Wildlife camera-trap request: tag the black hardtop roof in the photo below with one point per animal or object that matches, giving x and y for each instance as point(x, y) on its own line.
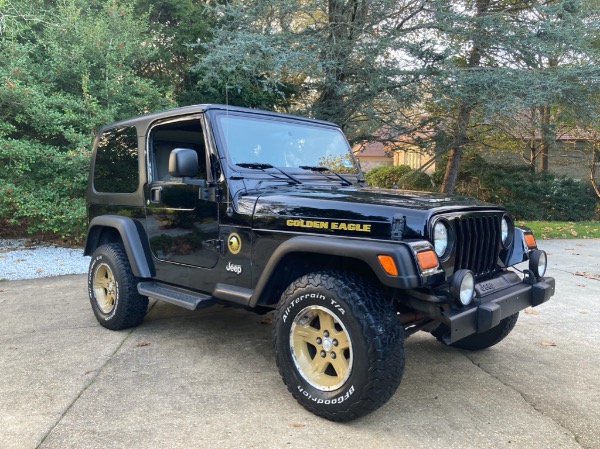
point(196, 108)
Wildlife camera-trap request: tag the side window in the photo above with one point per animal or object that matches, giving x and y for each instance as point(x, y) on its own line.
point(116, 166)
point(165, 138)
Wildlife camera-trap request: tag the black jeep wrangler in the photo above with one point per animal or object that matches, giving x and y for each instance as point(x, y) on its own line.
point(212, 204)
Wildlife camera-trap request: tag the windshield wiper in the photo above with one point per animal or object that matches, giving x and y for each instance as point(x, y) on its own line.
point(322, 169)
point(262, 166)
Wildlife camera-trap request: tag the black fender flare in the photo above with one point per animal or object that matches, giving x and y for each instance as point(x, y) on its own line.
point(130, 230)
point(366, 251)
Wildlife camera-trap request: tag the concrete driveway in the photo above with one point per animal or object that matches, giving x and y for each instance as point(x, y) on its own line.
point(208, 379)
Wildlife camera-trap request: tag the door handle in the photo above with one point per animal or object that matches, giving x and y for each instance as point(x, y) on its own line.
point(155, 194)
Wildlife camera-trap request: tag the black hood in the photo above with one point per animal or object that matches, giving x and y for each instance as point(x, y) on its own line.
point(370, 210)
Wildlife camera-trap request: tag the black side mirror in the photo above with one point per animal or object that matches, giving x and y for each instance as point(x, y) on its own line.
point(183, 163)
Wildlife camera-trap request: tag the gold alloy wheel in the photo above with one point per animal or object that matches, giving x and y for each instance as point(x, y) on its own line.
point(321, 348)
point(105, 288)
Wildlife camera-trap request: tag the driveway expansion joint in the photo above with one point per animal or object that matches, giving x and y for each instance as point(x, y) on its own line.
point(85, 388)
point(528, 401)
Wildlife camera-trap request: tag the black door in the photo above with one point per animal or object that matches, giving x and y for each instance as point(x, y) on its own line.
point(182, 227)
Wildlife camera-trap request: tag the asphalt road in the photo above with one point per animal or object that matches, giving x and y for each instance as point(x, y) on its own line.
point(208, 379)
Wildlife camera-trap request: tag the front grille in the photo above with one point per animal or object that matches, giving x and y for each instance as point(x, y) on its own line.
point(477, 243)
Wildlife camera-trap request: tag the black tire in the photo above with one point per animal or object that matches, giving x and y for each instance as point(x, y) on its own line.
point(112, 289)
point(369, 363)
point(484, 340)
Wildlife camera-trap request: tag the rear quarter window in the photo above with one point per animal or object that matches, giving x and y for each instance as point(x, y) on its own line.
point(116, 166)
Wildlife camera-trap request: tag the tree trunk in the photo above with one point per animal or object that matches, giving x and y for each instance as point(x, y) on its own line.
point(331, 104)
point(548, 136)
point(464, 114)
point(532, 156)
point(456, 151)
point(594, 162)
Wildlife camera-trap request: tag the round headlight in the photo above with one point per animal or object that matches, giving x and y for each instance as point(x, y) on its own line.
point(440, 238)
point(507, 231)
point(504, 230)
point(538, 262)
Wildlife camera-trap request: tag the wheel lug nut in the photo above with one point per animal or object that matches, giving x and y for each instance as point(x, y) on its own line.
point(333, 356)
point(335, 342)
point(326, 334)
point(319, 341)
point(323, 353)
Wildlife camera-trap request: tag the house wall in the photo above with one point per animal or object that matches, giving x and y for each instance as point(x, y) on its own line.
point(570, 159)
point(368, 163)
point(414, 159)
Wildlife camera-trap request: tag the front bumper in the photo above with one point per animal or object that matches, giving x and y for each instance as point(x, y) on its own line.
point(495, 301)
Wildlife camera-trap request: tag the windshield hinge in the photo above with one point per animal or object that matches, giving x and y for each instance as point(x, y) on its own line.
point(398, 223)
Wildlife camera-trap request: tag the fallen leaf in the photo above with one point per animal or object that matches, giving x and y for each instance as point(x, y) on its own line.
point(569, 249)
point(547, 343)
point(298, 425)
point(580, 244)
point(531, 312)
point(143, 343)
point(581, 285)
point(573, 232)
point(267, 321)
point(588, 275)
point(39, 270)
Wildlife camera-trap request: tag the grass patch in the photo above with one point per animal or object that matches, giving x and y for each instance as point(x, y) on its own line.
point(563, 229)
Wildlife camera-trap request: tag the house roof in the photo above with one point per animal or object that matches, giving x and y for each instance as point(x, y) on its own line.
point(370, 149)
point(386, 140)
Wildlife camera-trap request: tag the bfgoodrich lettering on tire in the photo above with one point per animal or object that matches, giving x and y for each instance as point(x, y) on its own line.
point(112, 289)
point(338, 344)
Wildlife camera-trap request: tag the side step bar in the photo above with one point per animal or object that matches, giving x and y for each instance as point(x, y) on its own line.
point(177, 296)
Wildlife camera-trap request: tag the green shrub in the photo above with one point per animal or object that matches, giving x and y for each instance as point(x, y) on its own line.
point(539, 196)
point(65, 69)
point(42, 189)
point(401, 176)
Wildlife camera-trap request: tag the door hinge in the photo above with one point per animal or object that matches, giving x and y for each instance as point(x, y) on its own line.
point(217, 244)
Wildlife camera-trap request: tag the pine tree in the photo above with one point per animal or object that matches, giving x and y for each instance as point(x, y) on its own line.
point(512, 59)
point(357, 63)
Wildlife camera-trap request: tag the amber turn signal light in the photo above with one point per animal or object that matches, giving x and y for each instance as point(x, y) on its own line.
point(388, 264)
point(530, 240)
point(427, 259)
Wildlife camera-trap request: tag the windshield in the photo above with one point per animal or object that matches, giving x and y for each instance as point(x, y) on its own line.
point(283, 143)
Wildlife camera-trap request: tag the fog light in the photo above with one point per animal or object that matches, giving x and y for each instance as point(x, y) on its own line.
point(462, 286)
point(538, 262)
